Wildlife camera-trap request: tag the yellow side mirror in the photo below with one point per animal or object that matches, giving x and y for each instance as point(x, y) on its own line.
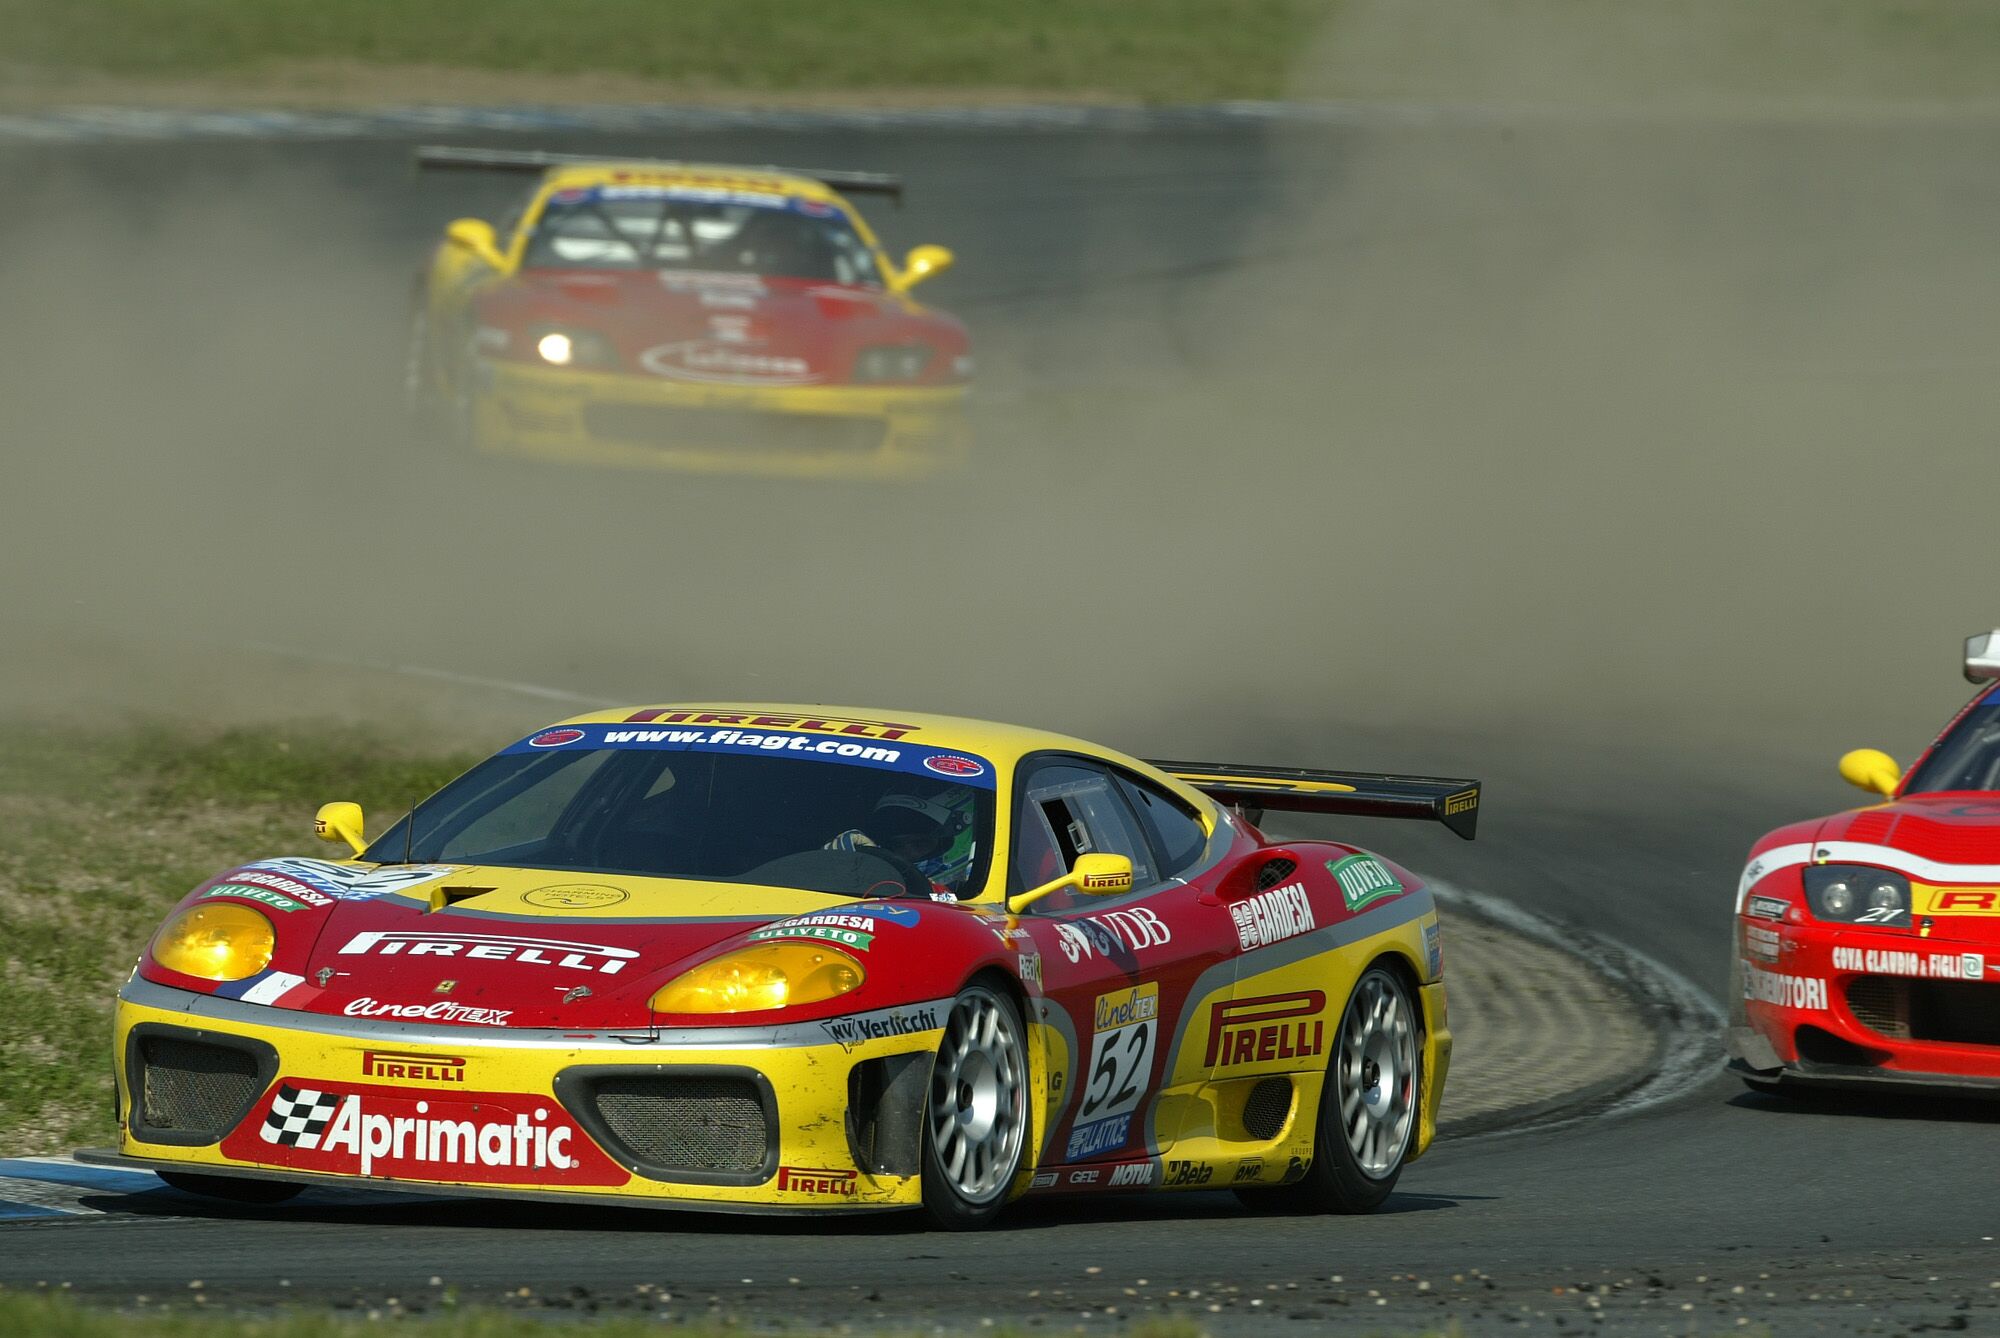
point(1872, 770)
point(1101, 875)
point(924, 261)
point(340, 822)
point(476, 235)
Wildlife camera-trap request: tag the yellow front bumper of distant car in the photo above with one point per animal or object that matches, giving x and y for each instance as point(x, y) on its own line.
point(787, 1117)
point(617, 418)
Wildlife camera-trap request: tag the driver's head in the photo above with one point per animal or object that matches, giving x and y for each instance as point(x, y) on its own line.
point(915, 828)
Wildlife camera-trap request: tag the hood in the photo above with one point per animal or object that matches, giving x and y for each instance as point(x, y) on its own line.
point(1958, 828)
point(731, 329)
point(474, 945)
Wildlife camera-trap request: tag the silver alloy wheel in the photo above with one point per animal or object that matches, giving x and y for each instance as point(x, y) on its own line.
point(978, 1086)
point(1377, 1074)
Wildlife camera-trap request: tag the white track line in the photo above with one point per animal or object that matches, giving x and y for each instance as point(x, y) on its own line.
point(439, 675)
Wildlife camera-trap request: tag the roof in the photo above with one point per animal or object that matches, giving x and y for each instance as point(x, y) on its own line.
point(622, 172)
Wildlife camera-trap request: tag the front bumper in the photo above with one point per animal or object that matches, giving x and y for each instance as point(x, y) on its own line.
point(726, 1118)
point(622, 419)
point(1845, 1005)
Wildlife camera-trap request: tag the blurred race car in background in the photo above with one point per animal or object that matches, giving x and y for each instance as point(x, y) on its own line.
point(1869, 942)
point(756, 958)
point(710, 317)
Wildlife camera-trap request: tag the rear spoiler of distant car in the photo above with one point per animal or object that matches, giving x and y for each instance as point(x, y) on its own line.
point(1455, 803)
point(444, 159)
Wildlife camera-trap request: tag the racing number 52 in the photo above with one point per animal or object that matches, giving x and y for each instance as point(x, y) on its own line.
point(1114, 1083)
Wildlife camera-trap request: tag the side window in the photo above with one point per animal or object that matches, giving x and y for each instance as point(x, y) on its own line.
point(1066, 811)
point(1177, 833)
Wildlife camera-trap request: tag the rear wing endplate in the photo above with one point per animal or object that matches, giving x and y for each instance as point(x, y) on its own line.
point(1455, 803)
point(439, 158)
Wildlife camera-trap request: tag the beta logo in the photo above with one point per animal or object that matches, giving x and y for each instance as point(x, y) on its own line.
point(555, 738)
point(950, 764)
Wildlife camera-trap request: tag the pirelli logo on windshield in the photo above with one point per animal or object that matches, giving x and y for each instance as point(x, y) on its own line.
point(810, 724)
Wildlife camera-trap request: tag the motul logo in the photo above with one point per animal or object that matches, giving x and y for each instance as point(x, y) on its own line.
point(493, 948)
point(1250, 1031)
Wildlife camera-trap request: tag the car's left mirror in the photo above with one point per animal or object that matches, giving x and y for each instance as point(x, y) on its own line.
point(340, 822)
point(1871, 769)
point(1095, 875)
point(476, 235)
point(924, 261)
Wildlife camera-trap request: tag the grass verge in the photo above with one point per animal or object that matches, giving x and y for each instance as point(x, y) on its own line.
point(100, 834)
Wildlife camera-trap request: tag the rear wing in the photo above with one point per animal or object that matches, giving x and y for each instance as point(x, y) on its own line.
point(1455, 803)
point(439, 158)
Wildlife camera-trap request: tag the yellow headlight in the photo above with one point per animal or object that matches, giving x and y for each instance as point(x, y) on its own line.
point(770, 975)
point(216, 941)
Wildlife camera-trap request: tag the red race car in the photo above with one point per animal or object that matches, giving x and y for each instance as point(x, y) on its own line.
point(1868, 943)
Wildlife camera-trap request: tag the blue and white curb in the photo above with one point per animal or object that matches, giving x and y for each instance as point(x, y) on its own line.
point(44, 1187)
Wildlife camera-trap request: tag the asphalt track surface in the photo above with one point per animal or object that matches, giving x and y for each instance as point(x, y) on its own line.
point(1688, 1216)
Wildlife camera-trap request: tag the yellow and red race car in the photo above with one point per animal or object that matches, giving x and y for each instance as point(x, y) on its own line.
point(705, 317)
point(756, 957)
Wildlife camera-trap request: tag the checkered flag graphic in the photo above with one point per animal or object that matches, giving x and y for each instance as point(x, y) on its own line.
point(298, 1117)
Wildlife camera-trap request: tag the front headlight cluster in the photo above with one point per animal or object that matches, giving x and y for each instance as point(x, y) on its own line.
point(891, 362)
point(1857, 894)
point(215, 941)
point(757, 979)
point(562, 347)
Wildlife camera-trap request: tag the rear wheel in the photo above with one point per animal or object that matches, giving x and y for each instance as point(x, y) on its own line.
point(236, 1189)
point(1368, 1111)
point(976, 1112)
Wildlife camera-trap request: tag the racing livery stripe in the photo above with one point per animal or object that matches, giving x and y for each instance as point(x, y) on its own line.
point(1856, 852)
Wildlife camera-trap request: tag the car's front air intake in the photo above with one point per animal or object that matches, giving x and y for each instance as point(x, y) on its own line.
point(701, 1125)
point(187, 1088)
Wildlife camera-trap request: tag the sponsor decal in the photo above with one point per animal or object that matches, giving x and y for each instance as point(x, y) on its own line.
point(400, 1067)
point(809, 1180)
point(1031, 968)
point(1184, 1174)
point(1112, 933)
point(1088, 1176)
point(1106, 882)
point(1363, 880)
point(828, 724)
point(1296, 1170)
point(1761, 942)
point(1132, 1173)
point(266, 988)
point(955, 764)
point(1273, 916)
point(283, 886)
point(370, 1131)
point(555, 738)
point(716, 360)
point(343, 882)
point(1250, 1168)
point(575, 896)
point(1434, 949)
point(555, 952)
point(1126, 1029)
point(1956, 900)
point(849, 931)
point(859, 1027)
point(1043, 1180)
point(1462, 802)
point(903, 917)
point(277, 901)
point(1767, 908)
point(1785, 991)
point(1902, 962)
point(1268, 1027)
point(876, 744)
point(440, 1011)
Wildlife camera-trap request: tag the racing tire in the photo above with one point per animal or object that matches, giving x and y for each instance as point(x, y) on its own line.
point(975, 1131)
point(235, 1189)
point(1368, 1109)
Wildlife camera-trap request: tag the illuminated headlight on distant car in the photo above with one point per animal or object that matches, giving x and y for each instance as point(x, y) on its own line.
point(891, 362)
point(571, 348)
point(1857, 894)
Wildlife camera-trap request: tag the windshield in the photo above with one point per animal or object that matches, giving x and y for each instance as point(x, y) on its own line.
point(845, 816)
point(1968, 756)
point(709, 229)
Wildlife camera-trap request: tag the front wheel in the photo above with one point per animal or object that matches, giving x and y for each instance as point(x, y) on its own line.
point(1368, 1110)
point(976, 1111)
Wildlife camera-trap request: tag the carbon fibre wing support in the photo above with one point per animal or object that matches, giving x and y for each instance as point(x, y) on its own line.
point(440, 158)
point(1455, 803)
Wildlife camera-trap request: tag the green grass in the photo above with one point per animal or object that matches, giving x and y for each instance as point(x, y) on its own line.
point(1170, 50)
point(100, 834)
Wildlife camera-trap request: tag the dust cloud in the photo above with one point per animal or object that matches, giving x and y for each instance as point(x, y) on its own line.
point(1469, 436)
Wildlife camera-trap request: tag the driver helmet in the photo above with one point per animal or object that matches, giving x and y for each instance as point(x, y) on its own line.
point(935, 834)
